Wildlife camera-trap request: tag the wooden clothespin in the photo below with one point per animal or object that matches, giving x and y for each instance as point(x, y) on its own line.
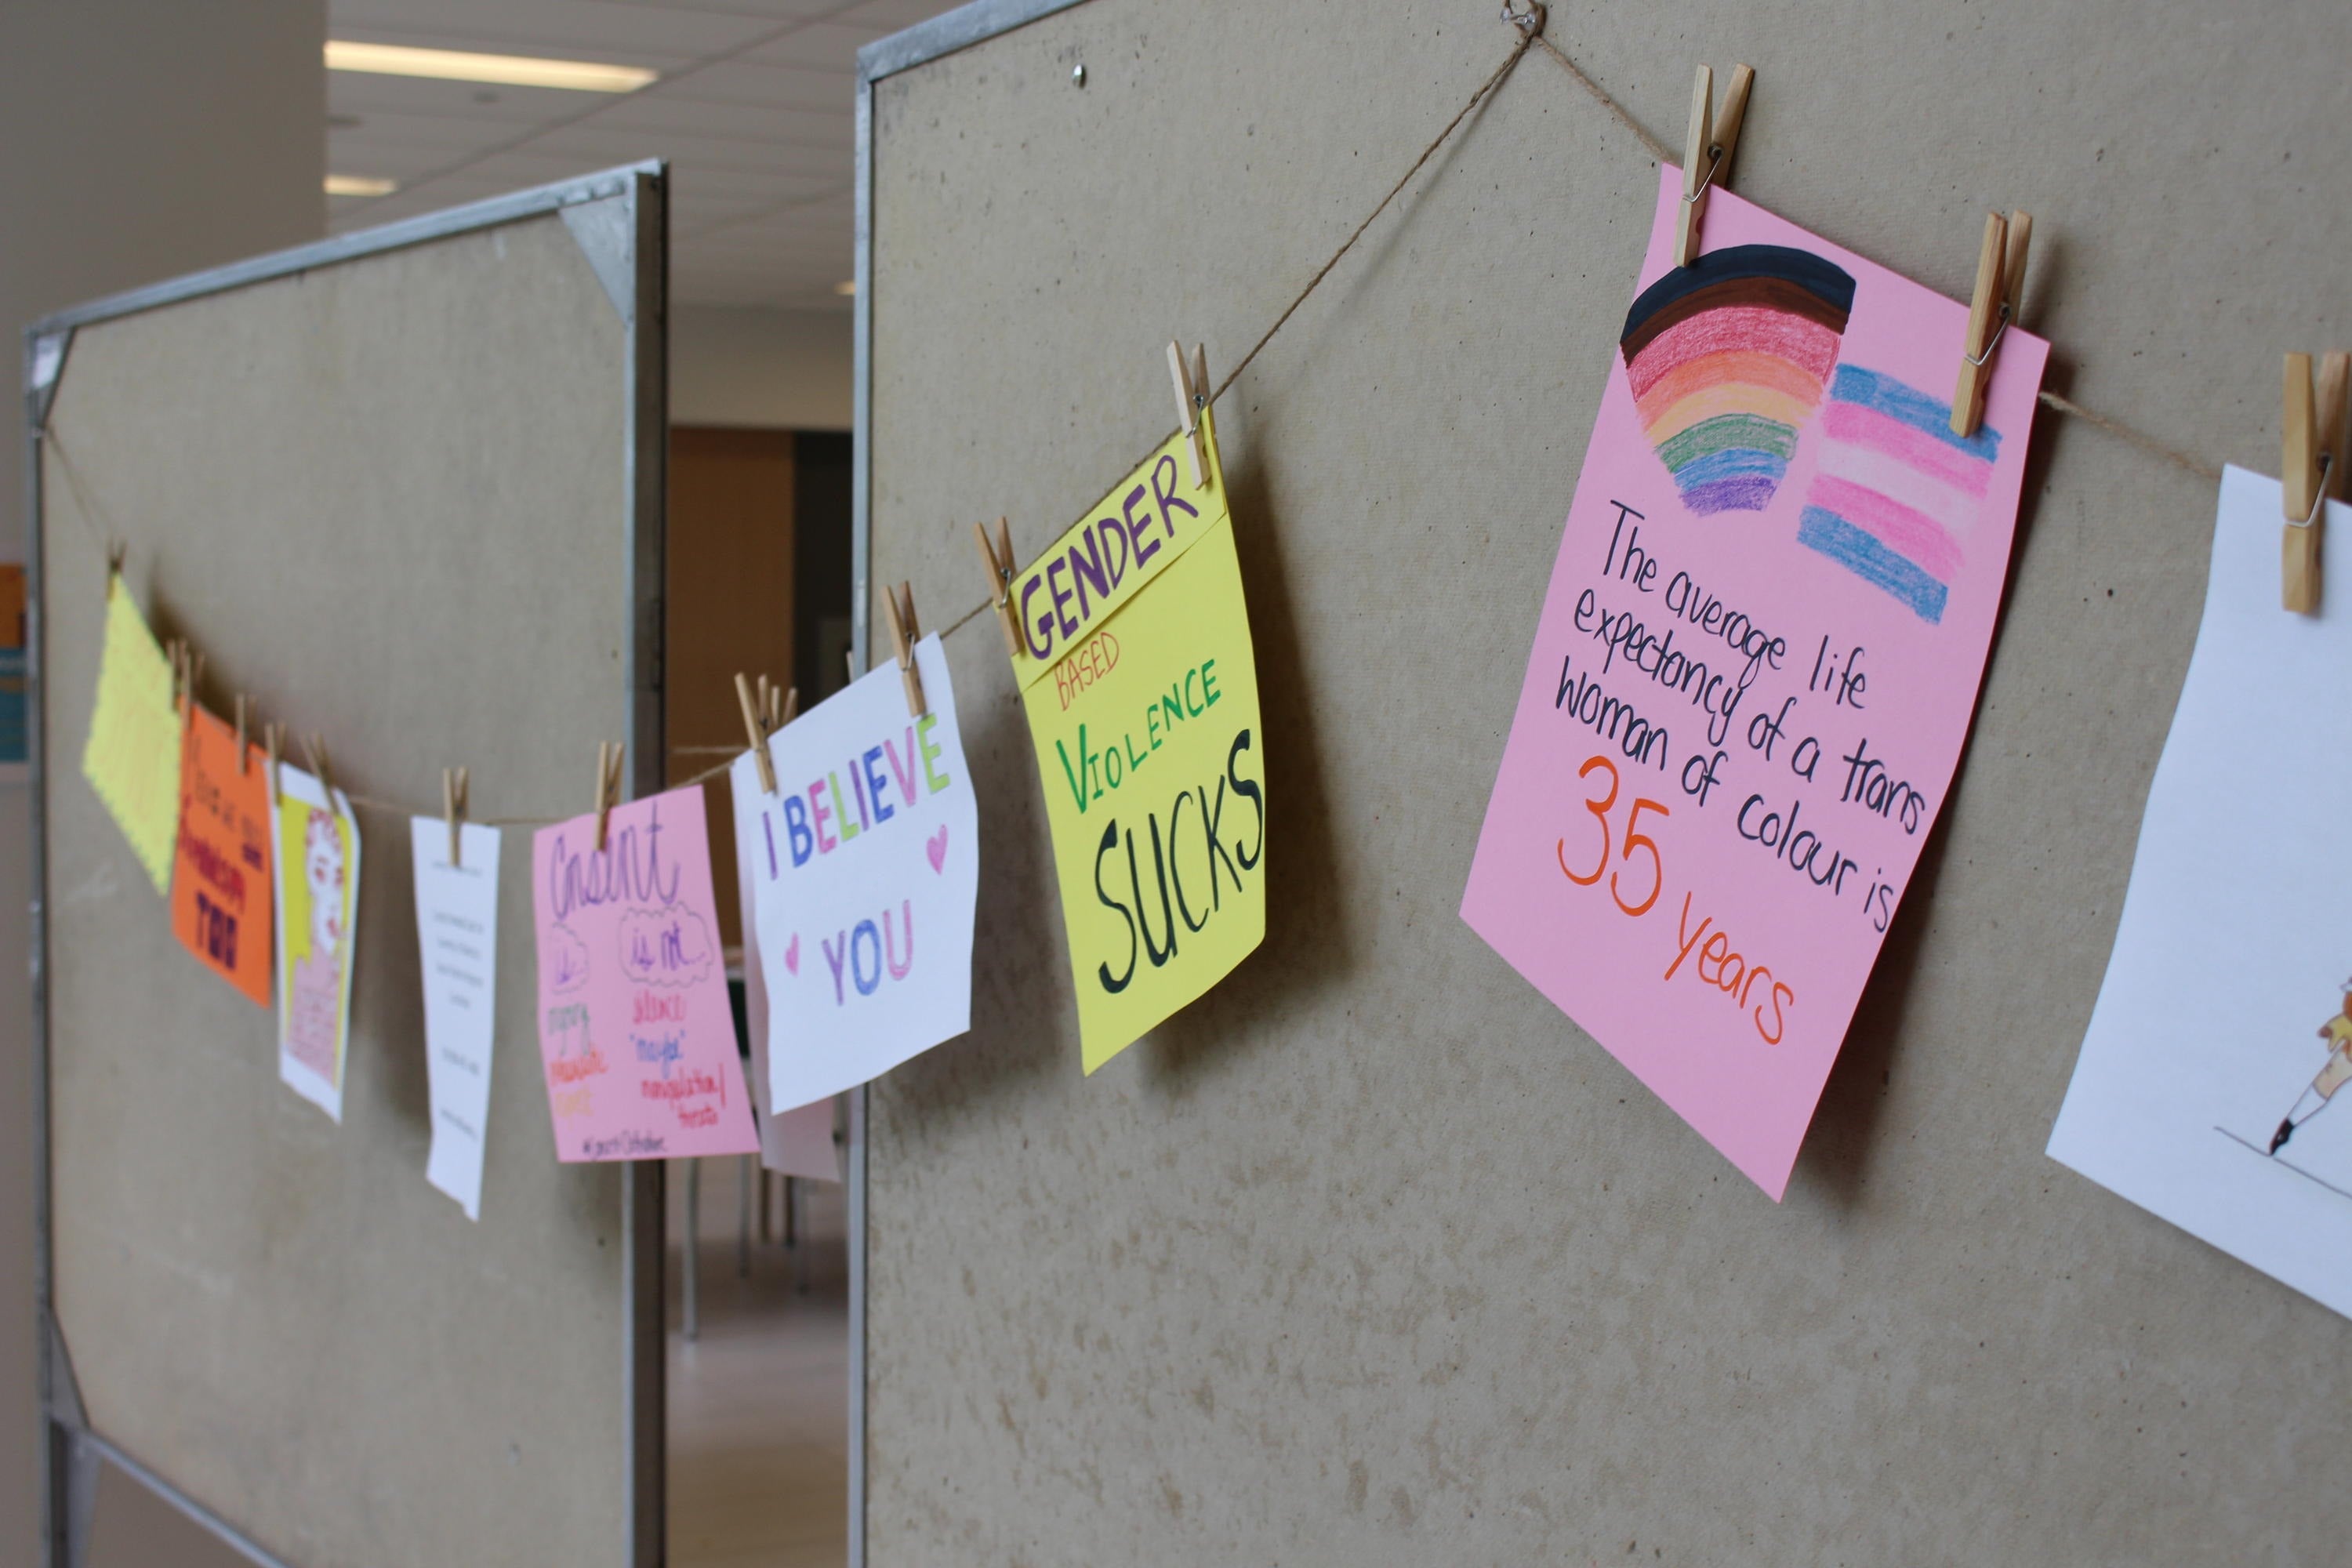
point(114, 556)
point(244, 762)
point(454, 782)
point(317, 746)
point(2000, 280)
point(756, 730)
point(996, 560)
point(2314, 446)
point(784, 706)
point(1708, 150)
point(1191, 397)
point(904, 635)
point(273, 739)
point(188, 667)
point(608, 785)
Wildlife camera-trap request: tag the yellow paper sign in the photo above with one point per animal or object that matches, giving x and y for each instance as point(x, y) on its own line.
point(1141, 689)
point(133, 756)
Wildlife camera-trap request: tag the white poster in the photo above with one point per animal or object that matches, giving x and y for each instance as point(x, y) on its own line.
point(2223, 1036)
point(865, 868)
point(798, 1141)
point(457, 929)
point(315, 859)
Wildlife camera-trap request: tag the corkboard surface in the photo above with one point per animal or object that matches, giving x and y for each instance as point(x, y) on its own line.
point(1371, 1256)
point(389, 498)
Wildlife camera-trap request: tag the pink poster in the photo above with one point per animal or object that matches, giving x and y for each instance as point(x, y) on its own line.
point(1756, 666)
point(635, 1027)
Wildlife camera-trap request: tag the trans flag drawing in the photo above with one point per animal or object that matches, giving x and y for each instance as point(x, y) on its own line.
point(1727, 359)
point(1897, 492)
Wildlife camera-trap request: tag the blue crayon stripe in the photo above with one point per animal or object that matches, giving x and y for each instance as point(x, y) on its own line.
point(1872, 561)
point(1884, 395)
point(1732, 462)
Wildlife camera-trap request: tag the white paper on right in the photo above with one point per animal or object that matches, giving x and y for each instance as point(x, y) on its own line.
point(2214, 1087)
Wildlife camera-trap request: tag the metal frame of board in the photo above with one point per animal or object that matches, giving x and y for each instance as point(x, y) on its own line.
point(942, 34)
point(71, 1452)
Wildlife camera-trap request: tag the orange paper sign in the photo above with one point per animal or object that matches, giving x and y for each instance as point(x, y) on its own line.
point(220, 872)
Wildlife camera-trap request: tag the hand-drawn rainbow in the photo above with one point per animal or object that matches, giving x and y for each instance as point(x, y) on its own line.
point(1897, 492)
point(1727, 358)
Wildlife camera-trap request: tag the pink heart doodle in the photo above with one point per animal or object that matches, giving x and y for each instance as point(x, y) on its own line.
point(793, 954)
point(936, 846)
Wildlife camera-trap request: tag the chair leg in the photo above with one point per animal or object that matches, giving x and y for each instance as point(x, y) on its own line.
point(744, 1171)
point(693, 1248)
point(797, 1199)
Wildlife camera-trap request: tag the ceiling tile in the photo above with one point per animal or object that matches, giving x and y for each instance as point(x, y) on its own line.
point(353, 92)
point(755, 113)
point(583, 29)
point(826, 46)
point(779, 87)
point(800, 127)
point(523, 167)
point(409, 164)
point(345, 213)
point(454, 132)
point(892, 16)
point(775, 10)
point(686, 152)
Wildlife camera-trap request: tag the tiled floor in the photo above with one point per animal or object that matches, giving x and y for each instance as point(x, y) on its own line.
point(758, 1404)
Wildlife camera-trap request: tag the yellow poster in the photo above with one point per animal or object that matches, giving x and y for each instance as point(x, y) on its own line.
point(133, 756)
point(1141, 688)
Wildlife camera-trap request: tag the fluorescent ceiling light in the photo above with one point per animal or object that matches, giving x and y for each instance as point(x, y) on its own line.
point(506, 70)
point(848, 287)
point(360, 185)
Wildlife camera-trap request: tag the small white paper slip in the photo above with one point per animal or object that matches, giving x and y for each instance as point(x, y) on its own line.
point(457, 935)
point(315, 861)
point(2205, 1091)
point(865, 869)
point(797, 1142)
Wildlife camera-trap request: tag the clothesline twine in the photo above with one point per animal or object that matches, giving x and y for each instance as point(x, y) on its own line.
point(1528, 38)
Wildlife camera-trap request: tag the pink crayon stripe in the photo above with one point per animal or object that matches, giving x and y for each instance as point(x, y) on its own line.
point(1867, 428)
point(1745, 327)
point(1953, 511)
point(1908, 533)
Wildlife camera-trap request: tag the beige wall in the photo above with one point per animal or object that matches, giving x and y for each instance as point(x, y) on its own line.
point(778, 370)
point(139, 140)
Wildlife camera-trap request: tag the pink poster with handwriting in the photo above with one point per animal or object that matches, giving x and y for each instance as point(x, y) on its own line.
point(1755, 668)
point(634, 1029)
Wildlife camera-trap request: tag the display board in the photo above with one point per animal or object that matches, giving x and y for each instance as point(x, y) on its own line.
point(1368, 1256)
point(405, 489)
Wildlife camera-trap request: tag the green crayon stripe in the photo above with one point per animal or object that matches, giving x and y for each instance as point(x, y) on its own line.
point(1749, 431)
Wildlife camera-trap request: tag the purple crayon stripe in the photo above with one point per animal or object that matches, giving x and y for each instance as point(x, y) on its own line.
point(1744, 492)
